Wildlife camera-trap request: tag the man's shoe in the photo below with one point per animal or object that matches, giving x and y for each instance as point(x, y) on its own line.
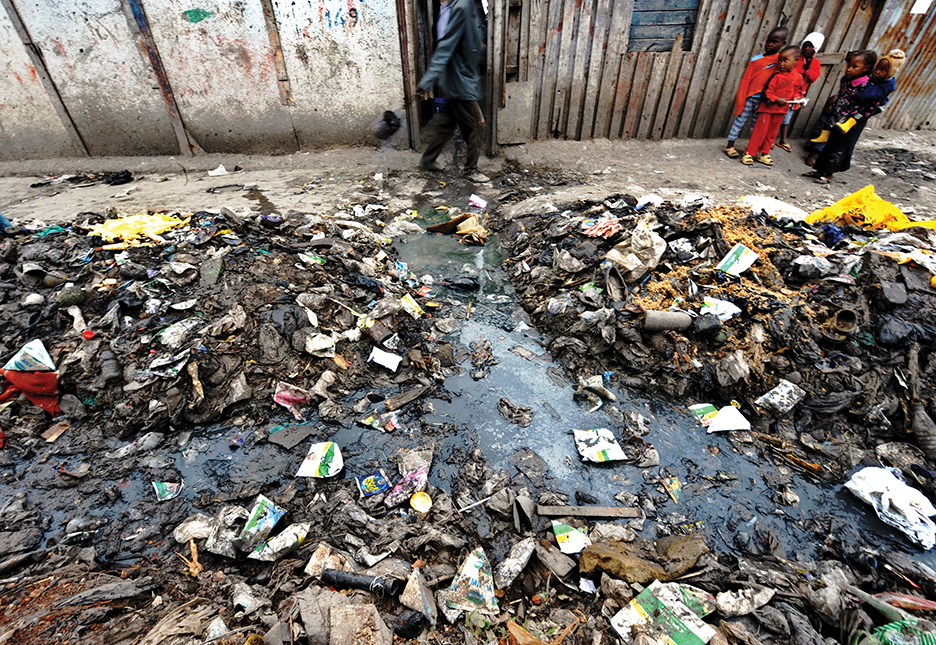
point(477, 177)
point(435, 166)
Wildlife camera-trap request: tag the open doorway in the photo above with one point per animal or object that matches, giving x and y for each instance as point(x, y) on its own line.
point(418, 26)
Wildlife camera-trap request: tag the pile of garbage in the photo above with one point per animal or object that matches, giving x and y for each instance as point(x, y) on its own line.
point(808, 343)
point(815, 337)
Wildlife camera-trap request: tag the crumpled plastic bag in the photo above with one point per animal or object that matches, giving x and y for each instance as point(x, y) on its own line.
point(134, 227)
point(896, 503)
point(641, 253)
point(865, 209)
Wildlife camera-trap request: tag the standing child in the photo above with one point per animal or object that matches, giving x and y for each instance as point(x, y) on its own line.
point(850, 105)
point(755, 77)
point(781, 87)
point(877, 92)
point(809, 68)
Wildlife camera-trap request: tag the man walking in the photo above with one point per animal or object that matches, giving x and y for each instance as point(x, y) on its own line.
point(455, 72)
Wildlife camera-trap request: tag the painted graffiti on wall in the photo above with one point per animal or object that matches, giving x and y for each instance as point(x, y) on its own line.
point(340, 14)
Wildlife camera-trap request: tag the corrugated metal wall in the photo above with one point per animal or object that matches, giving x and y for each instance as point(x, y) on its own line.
point(576, 78)
point(913, 105)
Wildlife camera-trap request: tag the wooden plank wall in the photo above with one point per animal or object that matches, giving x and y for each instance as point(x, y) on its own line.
point(586, 84)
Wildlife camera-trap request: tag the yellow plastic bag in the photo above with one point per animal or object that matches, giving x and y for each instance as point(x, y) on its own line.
point(133, 227)
point(865, 209)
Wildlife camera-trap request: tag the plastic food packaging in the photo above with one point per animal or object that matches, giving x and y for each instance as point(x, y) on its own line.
point(324, 460)
point(570, 540)
point(671, 610)
point(598, 445)
point(373, 484)
point(167, 490)
point(728, 419)
point(281, 545)
point(471, 590)
point(739, 259)
point(32, 357)
point(260, 523)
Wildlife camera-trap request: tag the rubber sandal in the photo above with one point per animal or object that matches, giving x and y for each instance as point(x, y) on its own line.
point(764, 159)
point(732, 153)
point(747, 160)
point(822, 181)
point(785, 146)
point(811, 175)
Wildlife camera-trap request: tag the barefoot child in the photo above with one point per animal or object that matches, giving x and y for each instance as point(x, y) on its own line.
point(809, 67)
point(781, 87)
point(850, 105)
point(756, 75)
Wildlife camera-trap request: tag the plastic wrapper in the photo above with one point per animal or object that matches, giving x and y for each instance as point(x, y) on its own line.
point(518, 558)
point(411, 307)
point(224, 531)
point(194, 527)
point(32, 357)
point(281, 545)
point(670, 613)
point(722, 308)
point(728, 419)
point(413, 481)
point(324, 460)
point(418, 597)
point(174, 335)
point(739, 259)
point(570, 540)
point(598, 445)
point(325, 557)
point(472, 590)
point(372, 484)
point(167, 490)
point(293, 398)
point(703, 413)
point(263, 517)
point(388, 360)
point(782, 398)
point(896, 503)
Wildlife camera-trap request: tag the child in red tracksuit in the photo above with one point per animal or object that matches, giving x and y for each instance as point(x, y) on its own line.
point(781, 87)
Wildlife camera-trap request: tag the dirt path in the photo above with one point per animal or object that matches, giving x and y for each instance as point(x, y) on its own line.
point(315, 182)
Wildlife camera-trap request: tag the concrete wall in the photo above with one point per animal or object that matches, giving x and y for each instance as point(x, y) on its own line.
point(29, 125)
point(310, 73)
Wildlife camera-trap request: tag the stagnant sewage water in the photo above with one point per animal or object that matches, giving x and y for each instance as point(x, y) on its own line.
point(725, 493)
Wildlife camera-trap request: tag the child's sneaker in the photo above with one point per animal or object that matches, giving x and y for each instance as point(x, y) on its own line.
point(764, 159)
point(747, 160)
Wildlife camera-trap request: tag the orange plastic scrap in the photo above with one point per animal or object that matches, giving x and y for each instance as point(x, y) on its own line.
point(864, 208)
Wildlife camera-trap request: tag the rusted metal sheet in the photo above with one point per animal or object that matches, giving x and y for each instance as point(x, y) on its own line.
point(913, 105)
point(222, 69)
point(344, 65)
point(30, 125)
point(102, 76)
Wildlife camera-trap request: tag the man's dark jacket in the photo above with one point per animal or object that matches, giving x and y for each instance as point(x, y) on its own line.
point(456, 63)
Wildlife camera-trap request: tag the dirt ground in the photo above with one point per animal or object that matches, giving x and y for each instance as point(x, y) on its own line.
point(670, 168)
